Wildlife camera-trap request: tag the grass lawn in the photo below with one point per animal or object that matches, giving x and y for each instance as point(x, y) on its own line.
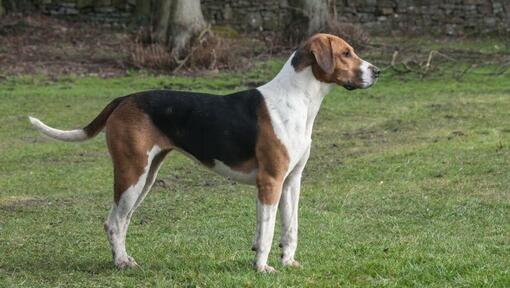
point(408, 185)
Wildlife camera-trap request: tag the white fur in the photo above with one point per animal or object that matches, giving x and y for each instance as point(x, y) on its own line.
point(70, 135)
point(266, 218)
point(224, 170)
point(367, 74)
point(288, 207)
point(293, 100)
point(118, 221)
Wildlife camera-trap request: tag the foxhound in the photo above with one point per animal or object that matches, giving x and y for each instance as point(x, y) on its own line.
point(260, 137)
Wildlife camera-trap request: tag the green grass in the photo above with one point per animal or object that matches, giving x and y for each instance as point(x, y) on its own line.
point(408, 185)
point(485, 44)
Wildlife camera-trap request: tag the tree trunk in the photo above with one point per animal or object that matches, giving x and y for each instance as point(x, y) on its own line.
point(177, 23)
point(162, 20)
point(309, 17)
point(320, 14)
point(187, 22)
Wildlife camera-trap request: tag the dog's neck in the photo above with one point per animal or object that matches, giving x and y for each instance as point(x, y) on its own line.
point(291, 90)
point(302, 83)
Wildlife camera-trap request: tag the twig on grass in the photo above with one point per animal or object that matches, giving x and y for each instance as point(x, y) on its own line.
point(431, 55)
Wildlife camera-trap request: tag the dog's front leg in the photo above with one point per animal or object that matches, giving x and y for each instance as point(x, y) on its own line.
point(269, 191)
point(289, 206)
point(289, 216)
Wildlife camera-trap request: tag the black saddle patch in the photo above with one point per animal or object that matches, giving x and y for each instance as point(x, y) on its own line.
point(204, 125)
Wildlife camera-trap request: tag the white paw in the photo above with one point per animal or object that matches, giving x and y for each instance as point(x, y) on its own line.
point(128, 262)
point(265, 269)
point(291, 263)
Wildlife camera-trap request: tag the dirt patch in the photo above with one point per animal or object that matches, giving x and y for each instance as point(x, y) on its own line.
point(456, 134)
point(43, 45)
point(19, 203)
point(364, 134)
point(439, 106)
point(22, 201)
point(39, 44)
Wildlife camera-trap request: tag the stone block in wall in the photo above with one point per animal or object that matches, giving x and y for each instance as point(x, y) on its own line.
point(104, 10)
point(454, 20)
point(351, 3)
point(404, 7)
point(377, 27)
point(227, 12)
point(447, 8)
point(348, 10)
point(474, 2)
point(365, 3)
point(84, 3)
point(120, 4)
point(497, 8)
point(386, 3)
point(452, 29)
point(367, 8)
point(484, 9)
point(490, 21)
point(102, 3)
point(254, 21)
point(62, 9)
point(270, 24)
point(385, 11)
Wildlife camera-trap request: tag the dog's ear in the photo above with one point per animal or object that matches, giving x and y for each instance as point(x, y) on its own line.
point(323, 52)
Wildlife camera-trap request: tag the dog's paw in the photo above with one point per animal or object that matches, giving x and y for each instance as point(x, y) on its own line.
point(128, 262)
point(291, 263)
point(265, 269)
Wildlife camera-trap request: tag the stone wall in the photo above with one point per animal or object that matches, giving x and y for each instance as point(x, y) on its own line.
point(450, 17)
point(248, 15)
point(109, 12)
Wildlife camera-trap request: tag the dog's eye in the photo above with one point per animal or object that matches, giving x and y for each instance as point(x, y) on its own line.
point(346, 54)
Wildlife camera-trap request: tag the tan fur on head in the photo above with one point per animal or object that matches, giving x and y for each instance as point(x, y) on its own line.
point(323, 53)
point(332, 60)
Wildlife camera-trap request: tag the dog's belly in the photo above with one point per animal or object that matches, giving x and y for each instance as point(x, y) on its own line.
point(246, 176)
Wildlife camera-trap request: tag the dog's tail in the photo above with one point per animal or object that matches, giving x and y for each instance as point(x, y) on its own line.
point(91, 130)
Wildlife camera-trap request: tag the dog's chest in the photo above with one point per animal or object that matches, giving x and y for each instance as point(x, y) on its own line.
point(292, 125)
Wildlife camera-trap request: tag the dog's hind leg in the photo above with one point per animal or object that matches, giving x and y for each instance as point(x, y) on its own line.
point(151, 177)
point(128, 199)
point(137, 150)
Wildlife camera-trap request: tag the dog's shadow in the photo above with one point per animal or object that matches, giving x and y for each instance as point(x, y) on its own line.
point(61, 265)
point(229, 266)
point(104, 266)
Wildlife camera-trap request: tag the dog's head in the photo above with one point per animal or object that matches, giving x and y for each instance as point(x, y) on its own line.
point(333, 60)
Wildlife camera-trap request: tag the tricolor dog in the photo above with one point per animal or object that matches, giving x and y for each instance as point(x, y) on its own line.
point(260, 137)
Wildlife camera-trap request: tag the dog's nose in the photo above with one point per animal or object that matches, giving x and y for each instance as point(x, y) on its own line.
point(376, 71)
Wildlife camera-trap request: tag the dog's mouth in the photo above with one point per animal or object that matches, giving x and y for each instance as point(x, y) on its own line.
point(349, 86)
